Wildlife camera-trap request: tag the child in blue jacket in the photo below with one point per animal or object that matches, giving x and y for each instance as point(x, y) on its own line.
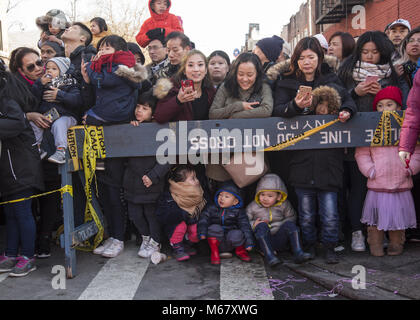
point(226, 224)
point(116, 79)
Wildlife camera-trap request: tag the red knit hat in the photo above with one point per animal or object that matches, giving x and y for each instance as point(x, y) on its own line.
point(392, 93)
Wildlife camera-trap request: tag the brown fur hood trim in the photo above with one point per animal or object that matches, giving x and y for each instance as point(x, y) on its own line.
point(328, 94)
point(162, 88)
point(284, 66)
point(136, 74)
point(59, 16)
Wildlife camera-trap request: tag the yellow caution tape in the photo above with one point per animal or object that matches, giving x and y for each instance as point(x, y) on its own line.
point(65, 189)
point(383, 132)
point(94, 147)
point(294, 140)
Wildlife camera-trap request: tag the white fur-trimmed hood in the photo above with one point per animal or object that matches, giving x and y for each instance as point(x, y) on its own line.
point(162, 88)
point(136, 74)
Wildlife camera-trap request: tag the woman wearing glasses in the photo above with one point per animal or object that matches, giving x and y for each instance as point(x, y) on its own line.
point(26, 65)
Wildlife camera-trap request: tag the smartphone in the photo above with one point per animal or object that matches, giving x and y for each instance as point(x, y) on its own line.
point(85, 57)
point(52, 114)
point(304, 90)
point(187, 84)
point(255, 98)
point(370, 79)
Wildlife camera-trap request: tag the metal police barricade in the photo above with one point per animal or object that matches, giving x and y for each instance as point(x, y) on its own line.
point(203, 142)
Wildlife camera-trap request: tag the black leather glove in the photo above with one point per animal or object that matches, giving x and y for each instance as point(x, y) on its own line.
point(157, 33)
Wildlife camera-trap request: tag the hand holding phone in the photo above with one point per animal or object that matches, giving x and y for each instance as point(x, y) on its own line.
point(187, 86)
point(187, 92)
point(372, 79)
point(304, 91)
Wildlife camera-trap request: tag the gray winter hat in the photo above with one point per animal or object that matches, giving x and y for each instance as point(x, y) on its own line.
point(62, 63)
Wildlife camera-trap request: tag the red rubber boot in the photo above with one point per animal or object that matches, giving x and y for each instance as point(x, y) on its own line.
point(242, 254)
point(214, 247)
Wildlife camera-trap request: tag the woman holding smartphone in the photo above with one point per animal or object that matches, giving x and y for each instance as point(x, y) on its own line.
point(188, 95)
point(315, 175)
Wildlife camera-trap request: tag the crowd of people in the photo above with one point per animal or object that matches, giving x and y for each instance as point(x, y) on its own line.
point(306, 201)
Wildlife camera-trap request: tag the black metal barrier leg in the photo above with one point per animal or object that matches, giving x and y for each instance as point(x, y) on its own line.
point(70, 252)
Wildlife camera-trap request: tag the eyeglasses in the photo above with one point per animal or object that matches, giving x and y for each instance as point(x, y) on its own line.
point(31, 67)
point(154, 48)
point(412, 40)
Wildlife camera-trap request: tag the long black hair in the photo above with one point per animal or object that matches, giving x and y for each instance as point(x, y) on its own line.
point(231, 83)
point(383, 45)
point(14, 89)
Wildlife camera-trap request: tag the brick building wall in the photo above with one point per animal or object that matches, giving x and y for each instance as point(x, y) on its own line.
point(378, 14)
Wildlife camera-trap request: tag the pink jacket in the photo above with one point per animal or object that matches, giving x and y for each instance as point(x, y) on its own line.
point(384, 169)
point(411, 126)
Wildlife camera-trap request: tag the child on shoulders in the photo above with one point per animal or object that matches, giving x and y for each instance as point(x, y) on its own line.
point(161, 21)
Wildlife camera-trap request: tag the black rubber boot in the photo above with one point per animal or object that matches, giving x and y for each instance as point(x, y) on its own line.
point(300, 256)
point(269, 255)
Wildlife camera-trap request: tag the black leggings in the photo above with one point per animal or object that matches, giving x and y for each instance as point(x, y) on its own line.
point(353, 194)
point(144, 218)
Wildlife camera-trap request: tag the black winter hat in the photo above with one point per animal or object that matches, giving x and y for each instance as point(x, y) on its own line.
point(271, 47)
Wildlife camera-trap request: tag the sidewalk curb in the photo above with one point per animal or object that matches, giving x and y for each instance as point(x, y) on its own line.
point(342, 285)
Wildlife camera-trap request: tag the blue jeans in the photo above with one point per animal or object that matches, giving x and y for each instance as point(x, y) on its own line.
point(328, 211)
point(20, 226)
point(280, 239)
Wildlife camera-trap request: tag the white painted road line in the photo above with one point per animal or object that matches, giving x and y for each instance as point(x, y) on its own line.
point(3, 276)
point(241, 280)
point(118, 279)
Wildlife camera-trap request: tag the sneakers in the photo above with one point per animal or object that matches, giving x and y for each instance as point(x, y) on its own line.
point(23, 267)
point(189, 249)
point(358, 242)
point(142, 252)
point(99, 250)
point(58, 157)
point(150, 247)
point(7, 263)
point(114, 249)
point(179, 252)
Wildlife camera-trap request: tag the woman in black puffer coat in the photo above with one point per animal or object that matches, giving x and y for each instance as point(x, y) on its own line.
point(315, 174)
point(20, 175)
